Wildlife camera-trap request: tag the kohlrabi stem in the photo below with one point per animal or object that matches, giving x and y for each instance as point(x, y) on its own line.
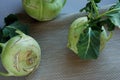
point(11, 27)
point(64, 2)
point(110, 35)
point(95, 7)
point(107, 12)
point(20, 32)
point(17, 31)
point(2, 45)
point(5, 74)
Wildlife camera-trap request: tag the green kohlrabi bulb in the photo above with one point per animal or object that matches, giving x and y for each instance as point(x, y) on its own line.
point(20, 55)
point(76, 28)
point(43, 10)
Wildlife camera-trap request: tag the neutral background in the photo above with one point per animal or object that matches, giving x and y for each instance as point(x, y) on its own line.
point(15, 6)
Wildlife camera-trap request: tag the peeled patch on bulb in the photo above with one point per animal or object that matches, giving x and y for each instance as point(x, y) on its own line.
point(20, 55)
point(43, 10)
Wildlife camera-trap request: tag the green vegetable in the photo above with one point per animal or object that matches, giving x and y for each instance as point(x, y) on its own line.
point(43, 10)
point(8, 30)
point(20, 55)
point(81, 42)
point(75, 30)
point(87, 36)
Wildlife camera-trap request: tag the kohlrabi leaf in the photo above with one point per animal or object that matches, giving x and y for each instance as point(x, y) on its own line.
point(87, 8)
point(10, 19)
point(9, 31)
point(97, 1)
point(11, 24)
point(89, 44)
point(114, 16)
point(110, 25)
point(21, 26)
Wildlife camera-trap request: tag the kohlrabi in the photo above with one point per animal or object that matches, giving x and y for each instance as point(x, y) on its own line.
point(87, 35)
point(20, 55)
point(77, 28)
point(43, 10)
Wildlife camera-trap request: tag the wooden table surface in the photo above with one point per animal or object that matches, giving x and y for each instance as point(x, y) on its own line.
point(59, 63)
